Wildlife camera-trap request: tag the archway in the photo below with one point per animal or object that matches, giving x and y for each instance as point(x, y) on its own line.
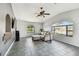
point(8, 23)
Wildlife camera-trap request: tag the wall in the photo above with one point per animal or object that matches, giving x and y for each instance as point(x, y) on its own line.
point(22, 27)
point(72, 16)
point(5, 8)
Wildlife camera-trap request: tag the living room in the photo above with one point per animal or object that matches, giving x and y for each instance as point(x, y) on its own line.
point(42, 27)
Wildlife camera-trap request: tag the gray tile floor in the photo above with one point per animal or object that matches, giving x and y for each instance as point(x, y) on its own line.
point(27, 47)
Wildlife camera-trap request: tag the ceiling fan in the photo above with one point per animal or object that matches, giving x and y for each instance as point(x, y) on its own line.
point(42, 13)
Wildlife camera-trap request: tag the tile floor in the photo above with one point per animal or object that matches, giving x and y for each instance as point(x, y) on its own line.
point(27, 47)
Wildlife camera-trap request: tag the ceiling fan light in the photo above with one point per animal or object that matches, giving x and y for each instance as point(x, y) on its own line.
point(41, 7)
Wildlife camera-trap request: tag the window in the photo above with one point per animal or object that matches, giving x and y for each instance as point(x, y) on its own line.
point(64, 28)
point(60, 30)
point(69, 30)
point(30, 28)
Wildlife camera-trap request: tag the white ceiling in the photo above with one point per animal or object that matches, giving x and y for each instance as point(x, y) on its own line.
point(26, 11)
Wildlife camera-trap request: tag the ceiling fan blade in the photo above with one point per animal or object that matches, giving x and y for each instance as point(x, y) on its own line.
point(38, 15)
point(46, 13)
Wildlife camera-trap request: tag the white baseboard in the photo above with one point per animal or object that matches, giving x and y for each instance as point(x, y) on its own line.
point(9, 48)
